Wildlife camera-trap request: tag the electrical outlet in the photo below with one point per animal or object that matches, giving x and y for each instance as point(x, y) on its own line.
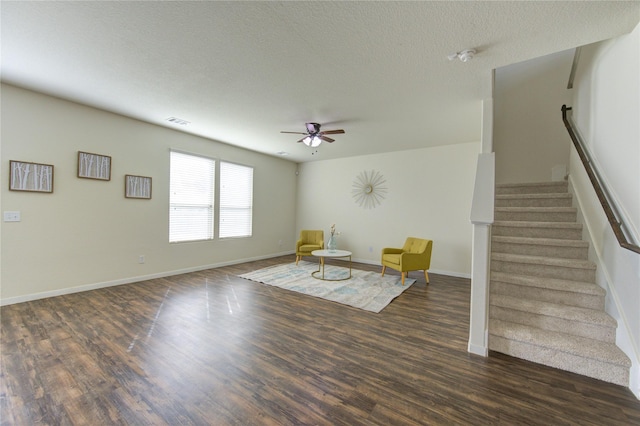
point(279, 243)
point(11, 216)
point(370, 249)
point(141, 259)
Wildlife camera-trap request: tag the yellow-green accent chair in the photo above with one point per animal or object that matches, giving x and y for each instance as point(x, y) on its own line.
point(309, 241)
point(414, 256)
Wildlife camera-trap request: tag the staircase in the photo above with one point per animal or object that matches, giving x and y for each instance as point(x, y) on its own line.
point(544, 304)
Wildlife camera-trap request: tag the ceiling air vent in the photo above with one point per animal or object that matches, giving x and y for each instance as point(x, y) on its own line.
point(179, 121)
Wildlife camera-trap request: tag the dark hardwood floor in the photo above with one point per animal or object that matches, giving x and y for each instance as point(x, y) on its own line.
point(211, 348)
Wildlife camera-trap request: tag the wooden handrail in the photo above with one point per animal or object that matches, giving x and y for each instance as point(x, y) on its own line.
point(574, 67)
point(616, 225)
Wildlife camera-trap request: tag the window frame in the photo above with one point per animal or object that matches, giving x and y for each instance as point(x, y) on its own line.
point(213, 206)
point(219, 199)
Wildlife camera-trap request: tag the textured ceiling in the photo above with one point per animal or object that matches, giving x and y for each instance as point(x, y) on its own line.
point(241, 72)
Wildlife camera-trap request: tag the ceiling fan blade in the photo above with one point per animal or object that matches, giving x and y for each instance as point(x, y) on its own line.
point(301, 140)
point(326, 139)
point(295, 133)
point(332, 132)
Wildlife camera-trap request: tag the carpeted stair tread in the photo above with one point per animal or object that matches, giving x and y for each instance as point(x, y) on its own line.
point(541, 241)
point(557, 195)
point(540, 214)
point(552, 199)
point(575, 345)
point(531, 224)
point(532, 188)
point(542, 245)
point(583, 315)
point(537, 229)
point(549, 283)
point(544, 261)
point(537, 209)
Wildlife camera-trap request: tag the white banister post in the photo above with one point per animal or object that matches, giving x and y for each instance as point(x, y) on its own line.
point(482, 218)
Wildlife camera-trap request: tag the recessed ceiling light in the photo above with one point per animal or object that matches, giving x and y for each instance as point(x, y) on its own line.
point(179, 121)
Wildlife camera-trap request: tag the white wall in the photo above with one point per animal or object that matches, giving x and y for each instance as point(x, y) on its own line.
point(606, 107)
point(529, 137)
point(86, 234)
point(606, 112)
point(429, 196)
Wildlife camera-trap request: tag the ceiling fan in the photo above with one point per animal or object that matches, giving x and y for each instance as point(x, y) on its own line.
point(314, 137)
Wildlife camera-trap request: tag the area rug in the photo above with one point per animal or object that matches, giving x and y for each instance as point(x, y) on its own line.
point(365, 290)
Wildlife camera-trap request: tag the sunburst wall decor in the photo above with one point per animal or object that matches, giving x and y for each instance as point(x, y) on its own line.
point(368, 189)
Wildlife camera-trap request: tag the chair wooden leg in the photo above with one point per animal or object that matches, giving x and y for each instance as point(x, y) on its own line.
point(426, 277)
point(403, 275)
point(297, 259)
point(384, 268)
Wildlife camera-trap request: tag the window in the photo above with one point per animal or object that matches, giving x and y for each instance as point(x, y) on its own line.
point(236, 200)
point(191, 198)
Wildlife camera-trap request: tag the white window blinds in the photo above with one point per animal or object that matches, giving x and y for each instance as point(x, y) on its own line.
point(236, 200)
point(191, 199)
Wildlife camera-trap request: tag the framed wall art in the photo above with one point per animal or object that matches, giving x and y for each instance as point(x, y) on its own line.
point(32, 177)
point(94, 166)
point(137, 187)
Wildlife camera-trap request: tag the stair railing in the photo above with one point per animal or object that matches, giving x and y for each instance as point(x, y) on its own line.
point(617, 225)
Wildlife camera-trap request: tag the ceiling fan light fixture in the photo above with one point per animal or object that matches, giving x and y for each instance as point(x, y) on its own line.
point(312, 141)
point(313, 137)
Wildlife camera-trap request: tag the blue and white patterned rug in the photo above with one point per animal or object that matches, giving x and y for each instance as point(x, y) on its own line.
point(365, 290)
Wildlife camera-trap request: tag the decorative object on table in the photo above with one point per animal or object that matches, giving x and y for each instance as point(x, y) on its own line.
point(365, 290)
point(310, 240)
point(94, 166)
point(415, 255)
point(137, 187)
point(332, 244)
point(368, 189)
point(30, 177)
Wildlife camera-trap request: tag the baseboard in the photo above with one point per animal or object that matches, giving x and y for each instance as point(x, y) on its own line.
point(129, 280)
point(478, 350)
point(435, 271)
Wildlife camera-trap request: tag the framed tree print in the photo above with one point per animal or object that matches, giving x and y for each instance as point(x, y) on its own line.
point(32, 177)
point(137, 187)
point(94, 166)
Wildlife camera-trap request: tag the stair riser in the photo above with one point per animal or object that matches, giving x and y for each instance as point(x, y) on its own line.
point(607, 372)
point(545, 271)
point(562, 325)
point(533, 202)
point(561, 234)
point(579, 300)
point(532, 189)
point(564, 252)
point(534, 216)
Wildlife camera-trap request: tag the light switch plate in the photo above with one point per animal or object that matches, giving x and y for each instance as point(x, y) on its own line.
point(12, 216)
